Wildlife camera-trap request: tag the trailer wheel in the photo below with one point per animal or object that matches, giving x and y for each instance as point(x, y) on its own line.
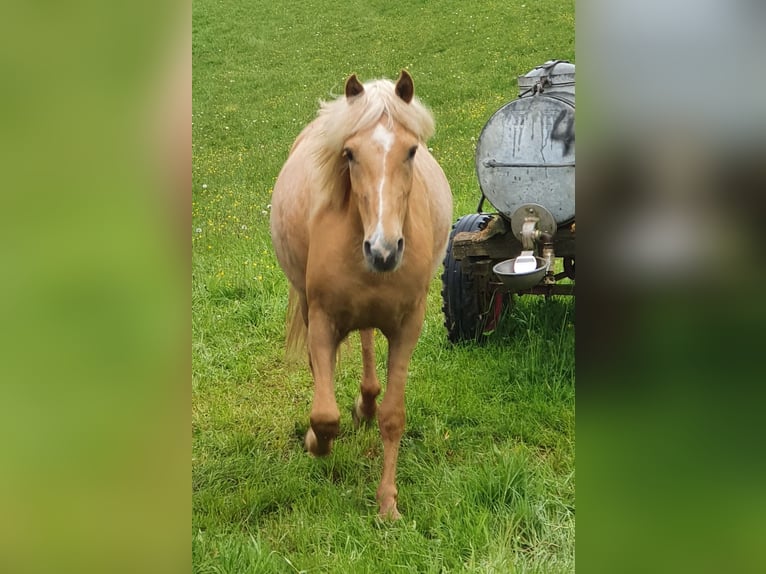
point(470, 308)
point(569, 266)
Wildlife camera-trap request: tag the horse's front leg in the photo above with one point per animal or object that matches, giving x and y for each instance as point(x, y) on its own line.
point(391, 414)
point(365, 405)
point(325, 417)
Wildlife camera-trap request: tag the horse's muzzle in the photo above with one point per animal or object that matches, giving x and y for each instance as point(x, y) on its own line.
point(383, 256)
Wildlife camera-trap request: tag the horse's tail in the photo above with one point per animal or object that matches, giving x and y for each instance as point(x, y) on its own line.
point(297, 333)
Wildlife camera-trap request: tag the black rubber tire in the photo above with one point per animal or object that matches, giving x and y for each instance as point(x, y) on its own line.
point(569, 267)
point(461, 304)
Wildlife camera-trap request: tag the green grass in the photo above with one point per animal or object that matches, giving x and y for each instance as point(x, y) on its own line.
point(486, 470)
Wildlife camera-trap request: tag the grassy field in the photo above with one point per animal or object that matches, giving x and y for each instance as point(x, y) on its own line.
point(486, 471)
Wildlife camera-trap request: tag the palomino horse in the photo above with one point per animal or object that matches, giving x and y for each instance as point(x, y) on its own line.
point(360, 217)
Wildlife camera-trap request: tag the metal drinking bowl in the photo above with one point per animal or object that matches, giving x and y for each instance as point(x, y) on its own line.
point(520, 280)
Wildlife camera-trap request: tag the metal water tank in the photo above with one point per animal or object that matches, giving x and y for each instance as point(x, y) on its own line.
point(526, 151)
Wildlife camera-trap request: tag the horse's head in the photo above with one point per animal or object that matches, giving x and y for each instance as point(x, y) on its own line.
point(380, 163)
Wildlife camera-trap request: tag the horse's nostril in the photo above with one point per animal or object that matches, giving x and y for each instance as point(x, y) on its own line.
point(382, 255)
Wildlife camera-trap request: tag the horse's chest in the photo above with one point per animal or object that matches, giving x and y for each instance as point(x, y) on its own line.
point(373, 293)
point(366, 299)
point(339, 281)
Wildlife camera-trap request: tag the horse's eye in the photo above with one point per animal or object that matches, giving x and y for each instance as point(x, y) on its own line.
point(348, 154)
point(412, 151)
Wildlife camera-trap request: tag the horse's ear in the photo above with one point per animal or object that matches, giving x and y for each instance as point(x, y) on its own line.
point(353, 86)
point(405, 89)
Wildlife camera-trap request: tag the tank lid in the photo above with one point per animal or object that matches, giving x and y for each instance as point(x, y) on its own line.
point(553, 75)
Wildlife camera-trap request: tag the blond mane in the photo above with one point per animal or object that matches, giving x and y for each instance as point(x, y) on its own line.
point(341, 118)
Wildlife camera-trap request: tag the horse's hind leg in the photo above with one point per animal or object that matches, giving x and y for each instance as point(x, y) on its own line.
point(325, 416)
point(365, 405)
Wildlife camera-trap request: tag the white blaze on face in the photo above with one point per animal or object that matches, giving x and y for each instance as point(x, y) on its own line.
point(385, 139)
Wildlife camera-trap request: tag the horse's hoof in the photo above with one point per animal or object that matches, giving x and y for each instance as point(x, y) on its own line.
point(314, 447)
point(389, 513)
point(358, 415)
point(310, 442)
